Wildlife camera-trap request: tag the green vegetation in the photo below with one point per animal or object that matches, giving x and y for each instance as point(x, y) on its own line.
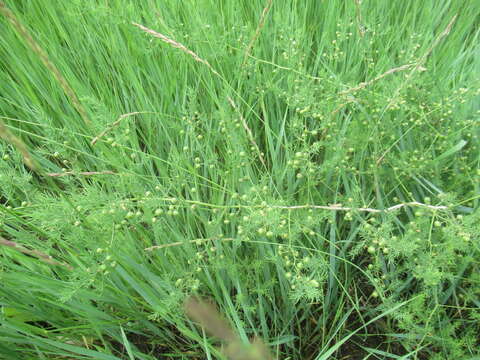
point(249, 152)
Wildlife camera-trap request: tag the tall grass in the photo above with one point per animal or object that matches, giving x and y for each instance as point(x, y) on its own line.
point(312, 168)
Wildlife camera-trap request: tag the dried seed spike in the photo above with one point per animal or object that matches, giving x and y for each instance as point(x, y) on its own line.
point(85, 173)
point(25, 34)
point(7, 135)
point(247, 129)
point(261, 23)
point(38, 254)
point(360, 26)
point(177, 45)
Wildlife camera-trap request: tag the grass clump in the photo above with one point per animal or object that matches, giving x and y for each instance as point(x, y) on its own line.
point(311, 168)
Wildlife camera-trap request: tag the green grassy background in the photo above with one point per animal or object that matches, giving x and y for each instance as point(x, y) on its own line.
point(312, 283)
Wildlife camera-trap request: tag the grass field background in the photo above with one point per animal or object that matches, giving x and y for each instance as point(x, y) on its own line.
point(311, 167)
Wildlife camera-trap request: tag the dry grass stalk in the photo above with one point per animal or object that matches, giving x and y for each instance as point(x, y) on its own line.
point(348, 99)
point(360, 26)
point(84, 173)
point(419, 67)
point(38, 254)
point(284, 68)
point(207, 315)
point(247, 129)
point(440, 37)
point(19, 144)
point(45, 60)
point(177, 45)
point(379, 77)
point(419, 64)
point(116, 123)
point(180, 243)
point(261, 23)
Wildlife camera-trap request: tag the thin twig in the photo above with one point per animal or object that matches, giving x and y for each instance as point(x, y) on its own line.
point(85, 173)
point(261, 23)
point(45, 60)
point(333, 207)
point(339, 207)
point(247, 129)
point(116, 123)
point(38, 254)
point(177, 45)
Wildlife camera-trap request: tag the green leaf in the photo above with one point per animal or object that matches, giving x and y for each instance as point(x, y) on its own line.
point(451, 151)
point(126, 343)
